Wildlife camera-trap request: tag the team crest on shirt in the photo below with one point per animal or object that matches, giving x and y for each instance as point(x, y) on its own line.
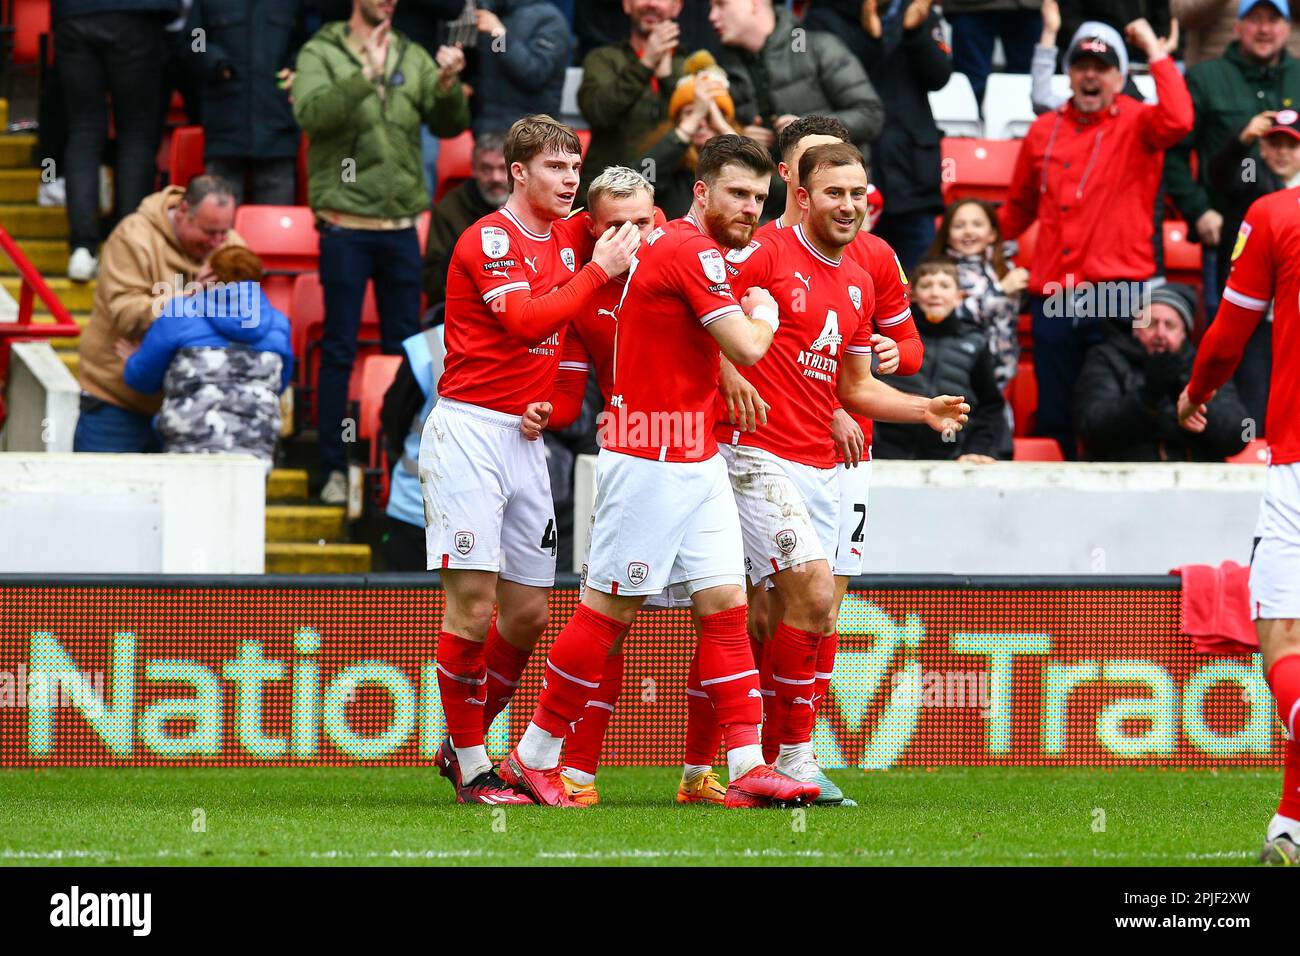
point(637, 572)
point(715, 269)
point(786, 540)
point(1240, 245)
point(495, 241)
point(464, 542)
point(855, 296)
point(740, 255)
point(569, 259)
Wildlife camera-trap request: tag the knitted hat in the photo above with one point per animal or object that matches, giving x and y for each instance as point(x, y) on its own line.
point(700, 64)
point(1181, 298)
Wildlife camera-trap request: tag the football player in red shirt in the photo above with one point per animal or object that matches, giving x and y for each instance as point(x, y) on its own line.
point(1263, 269)
point(665, 514)
point(513, 282)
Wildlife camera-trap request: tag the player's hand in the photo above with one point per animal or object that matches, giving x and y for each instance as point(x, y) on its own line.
point(977, 459)
point(745, 406)
point(848, 437)
point(1015, 281)
point(886, 350)
point(614, 250)
point(1210, 228)
point(756, 298)
point(947, 414)
point(1192, 417)
point(1259, 124)
point(536, 415)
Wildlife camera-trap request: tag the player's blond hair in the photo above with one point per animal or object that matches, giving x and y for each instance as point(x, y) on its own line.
point(536, 134)
point(616, 182)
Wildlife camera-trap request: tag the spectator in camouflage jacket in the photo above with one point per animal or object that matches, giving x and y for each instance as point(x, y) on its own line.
point(221, 358)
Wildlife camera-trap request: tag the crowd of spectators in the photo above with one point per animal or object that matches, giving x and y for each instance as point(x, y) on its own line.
point(378, 85)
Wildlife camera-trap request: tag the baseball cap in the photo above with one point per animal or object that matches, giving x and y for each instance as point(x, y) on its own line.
point(1093, 46)
point(1286, 121)
point(1245, 6)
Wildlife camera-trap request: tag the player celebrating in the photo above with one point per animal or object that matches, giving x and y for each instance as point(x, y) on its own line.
point(490, 523)
point(664, 510)
point(1263, 268)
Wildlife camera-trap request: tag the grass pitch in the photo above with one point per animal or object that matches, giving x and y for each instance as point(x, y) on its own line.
point(320, 817)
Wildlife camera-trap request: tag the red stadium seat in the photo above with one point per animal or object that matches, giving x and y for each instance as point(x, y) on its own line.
point(1022, 393)
point(30, 19)
point(1255, 453)
point(1182, 255)
point(977, 168)
point(185, 156)
point(1025, 334)
point(307, 328)
point(455, 163)
point(584, 137)
point(284, 236)
point(377, 373)
point(300, 195)
point(1037, 449)
point(422, 229)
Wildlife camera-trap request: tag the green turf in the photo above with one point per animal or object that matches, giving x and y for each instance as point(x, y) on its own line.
point(956, 816)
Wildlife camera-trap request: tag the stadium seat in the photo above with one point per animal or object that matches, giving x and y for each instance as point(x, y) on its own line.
point(954, 108)
point(1036, 449)
point(30, 19)
point(584, 137)
point(301, 193)
point(1255, 453)
point(1182, 255)
point(422, 229)
point(455, 163)
point(1025, 334)
point(1022, 393)
point(377, 373)
point(307, 328)
point(569, 111)
point(185, 156)
point(978, 168)
point(284, 236)
point(1146, 85)
point(1008, 110)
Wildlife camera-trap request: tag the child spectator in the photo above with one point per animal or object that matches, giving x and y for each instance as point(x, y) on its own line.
point(990, 286)
point(957, 362)
point(221, 358)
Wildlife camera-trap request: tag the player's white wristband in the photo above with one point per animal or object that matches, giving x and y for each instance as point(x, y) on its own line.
point(765, 313)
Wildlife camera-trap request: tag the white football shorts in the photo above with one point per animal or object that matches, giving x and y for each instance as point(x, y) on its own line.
point(487, 495)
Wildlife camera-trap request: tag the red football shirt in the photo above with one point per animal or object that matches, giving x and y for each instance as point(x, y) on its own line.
point(893, 310)
point(1263, 268)
point(825, 308)
point(486, 365)
point(665, 360)
point(589, 341)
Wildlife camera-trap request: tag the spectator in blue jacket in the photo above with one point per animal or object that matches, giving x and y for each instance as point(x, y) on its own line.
point(523, 49)
point(221, 358)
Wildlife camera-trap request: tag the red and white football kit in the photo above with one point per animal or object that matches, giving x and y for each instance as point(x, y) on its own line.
point(783, 474)
point(487, 494)
point(1263, 268)
point(892, 317)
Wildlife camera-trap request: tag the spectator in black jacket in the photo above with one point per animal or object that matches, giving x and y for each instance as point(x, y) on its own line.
point(524, 47)
point(906, 62)
point(957, 362)
point(1262, 159)
point(248, 125)
point(1125, 401)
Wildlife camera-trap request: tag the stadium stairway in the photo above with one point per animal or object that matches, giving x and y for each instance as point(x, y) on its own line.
point(301, 537)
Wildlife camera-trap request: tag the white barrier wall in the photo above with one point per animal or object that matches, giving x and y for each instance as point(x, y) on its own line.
point(132, 514)
point(42, 399)
point(1032, 518)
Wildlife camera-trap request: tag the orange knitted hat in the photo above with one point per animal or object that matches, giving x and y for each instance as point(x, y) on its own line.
point(700, 64)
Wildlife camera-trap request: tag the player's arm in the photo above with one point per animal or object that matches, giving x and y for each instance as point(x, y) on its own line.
point(745, 332)
point(745, 406)
point(897, 341)
point(1245, 300)
point(570, 381)
point(864, 394)
point(532, 318)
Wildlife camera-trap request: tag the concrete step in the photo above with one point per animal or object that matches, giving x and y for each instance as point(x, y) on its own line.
point(17, 151)
point(50, 256)
point(19, 185)
point(287, 484)
point(25, 221)
point(304, 523)
point(4, 112)
point(75, 296)
point(297, 558)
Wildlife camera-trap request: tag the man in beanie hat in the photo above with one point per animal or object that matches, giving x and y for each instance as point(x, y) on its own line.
point(1125, 402)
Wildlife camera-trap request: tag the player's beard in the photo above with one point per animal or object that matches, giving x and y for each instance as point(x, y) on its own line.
point(826, 232)
point(723, 229)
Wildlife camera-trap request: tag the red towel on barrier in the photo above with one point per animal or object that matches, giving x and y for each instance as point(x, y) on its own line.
point(1216, 608)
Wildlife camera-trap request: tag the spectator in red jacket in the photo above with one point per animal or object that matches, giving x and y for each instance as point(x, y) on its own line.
point(1088, 173)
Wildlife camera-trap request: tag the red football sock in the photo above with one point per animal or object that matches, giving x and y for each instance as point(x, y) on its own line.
point(794, 671)
point(773, 711)
point(461, 679)
point(1284, 679)
point(574, 668)
point(729, 677)
point(825, 668)
point(702, 731)
point(505, 665)
point(582, 747)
